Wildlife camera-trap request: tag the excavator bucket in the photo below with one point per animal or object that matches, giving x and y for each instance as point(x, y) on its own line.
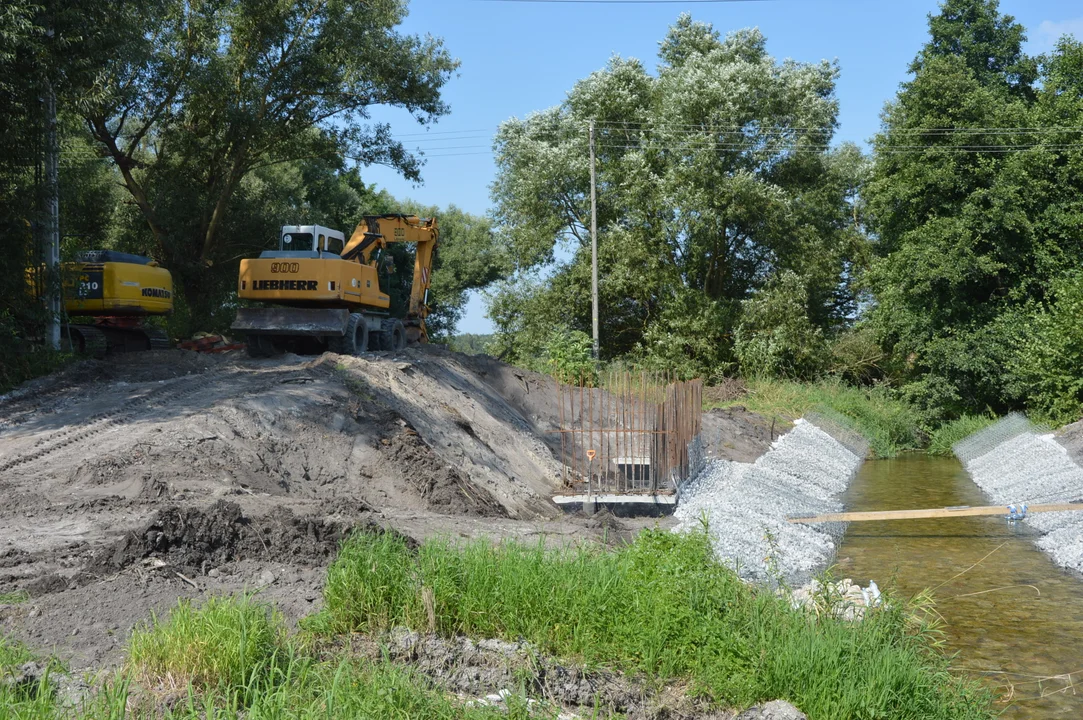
point(310, 322)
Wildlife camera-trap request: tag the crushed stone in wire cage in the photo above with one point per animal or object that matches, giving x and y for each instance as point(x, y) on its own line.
point(746, 506)
point(1015, 462)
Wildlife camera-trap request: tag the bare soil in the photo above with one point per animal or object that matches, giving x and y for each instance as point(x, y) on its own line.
point(136, 481)
point(1071, 437)
point(734, 433)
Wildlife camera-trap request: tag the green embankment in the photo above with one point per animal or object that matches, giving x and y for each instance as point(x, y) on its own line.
point(889, 424)
point(659, 608)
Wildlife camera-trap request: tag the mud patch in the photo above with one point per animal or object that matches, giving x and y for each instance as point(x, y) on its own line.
point(195, 538)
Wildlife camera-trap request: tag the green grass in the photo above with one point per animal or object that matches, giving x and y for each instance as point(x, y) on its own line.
point(12, 655)
point(944, 437)
point(308, 690)
point(225, 643)
point(232, 657)
point(14, 598)
point(890, 425)
point(25, 700)
point(660, 606)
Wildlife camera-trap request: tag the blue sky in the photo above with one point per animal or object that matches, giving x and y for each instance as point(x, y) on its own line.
point(518, 57)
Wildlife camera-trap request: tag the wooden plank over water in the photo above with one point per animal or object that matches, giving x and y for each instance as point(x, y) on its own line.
point(945, 512)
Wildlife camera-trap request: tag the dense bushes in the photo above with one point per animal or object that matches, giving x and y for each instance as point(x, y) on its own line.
point(775, 337)
point(1045, 370)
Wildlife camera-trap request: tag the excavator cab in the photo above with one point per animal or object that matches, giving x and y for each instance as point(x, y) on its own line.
point(308, 239)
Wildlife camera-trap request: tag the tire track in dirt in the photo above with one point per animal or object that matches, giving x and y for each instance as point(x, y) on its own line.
point(127, 411)
point(230, 384)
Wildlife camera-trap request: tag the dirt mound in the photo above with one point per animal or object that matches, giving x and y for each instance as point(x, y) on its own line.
point(734, 433)
point(1071, 438)
point(195, 538)
point(444, 487)
point(469, 421)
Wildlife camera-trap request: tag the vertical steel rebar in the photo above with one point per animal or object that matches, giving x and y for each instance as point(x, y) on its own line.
point(643, 432)
point(646, 419)
point(581, 421)
point(603, 440)
point(590, 438)
point(560, 416)
point(636, 471)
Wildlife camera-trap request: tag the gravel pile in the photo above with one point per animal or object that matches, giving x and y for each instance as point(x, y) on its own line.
point(745, 506)
point(1033, 468)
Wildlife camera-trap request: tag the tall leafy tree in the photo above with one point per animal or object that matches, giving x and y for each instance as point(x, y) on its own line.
point(21, 50)
point(960, 203)
point(714, 174)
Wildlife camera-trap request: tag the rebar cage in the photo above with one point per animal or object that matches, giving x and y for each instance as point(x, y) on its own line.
point(629, 433)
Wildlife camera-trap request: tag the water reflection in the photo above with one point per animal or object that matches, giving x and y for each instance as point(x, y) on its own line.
point(1014, 618)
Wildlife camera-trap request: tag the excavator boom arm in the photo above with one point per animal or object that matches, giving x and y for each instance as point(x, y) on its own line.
point(378, 231)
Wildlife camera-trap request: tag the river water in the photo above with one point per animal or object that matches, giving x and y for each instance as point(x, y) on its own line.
point(1015, 619)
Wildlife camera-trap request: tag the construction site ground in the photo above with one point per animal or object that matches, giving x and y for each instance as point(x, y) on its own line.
point(131, 482)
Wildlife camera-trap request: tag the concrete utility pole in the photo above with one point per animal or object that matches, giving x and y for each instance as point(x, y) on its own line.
point(593, 244)
point(51, 243)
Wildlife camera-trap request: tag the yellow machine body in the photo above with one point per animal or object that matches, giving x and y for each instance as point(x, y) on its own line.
point(116, 289)
point(311, 282)
point(320, 287)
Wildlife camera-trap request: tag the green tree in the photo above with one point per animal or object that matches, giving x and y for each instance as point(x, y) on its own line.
point(42, 49)
point(195, 97)
point(989, 44)
point(470, 343)
point(953, 206)
point(775, 337)
point(569, 356)
point(1045, 368)
point(712, 176)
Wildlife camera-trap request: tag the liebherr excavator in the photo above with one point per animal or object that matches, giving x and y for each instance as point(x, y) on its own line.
point(326, 290)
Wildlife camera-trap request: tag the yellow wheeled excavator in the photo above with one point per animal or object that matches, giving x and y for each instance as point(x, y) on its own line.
point(118, 290)
point(324, 292)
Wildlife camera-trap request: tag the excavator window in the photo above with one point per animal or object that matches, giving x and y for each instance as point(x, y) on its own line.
point(334, 245)
point(297, 241)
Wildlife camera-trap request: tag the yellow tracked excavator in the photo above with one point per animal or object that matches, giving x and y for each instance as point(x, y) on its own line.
point(324, 291)
point(118, 290)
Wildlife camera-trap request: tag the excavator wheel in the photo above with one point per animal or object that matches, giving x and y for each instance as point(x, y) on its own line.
point(260, 346)
point(356, 339)
point(392, 335)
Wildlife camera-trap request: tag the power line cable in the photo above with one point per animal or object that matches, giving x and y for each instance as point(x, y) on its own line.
point(722, 129)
